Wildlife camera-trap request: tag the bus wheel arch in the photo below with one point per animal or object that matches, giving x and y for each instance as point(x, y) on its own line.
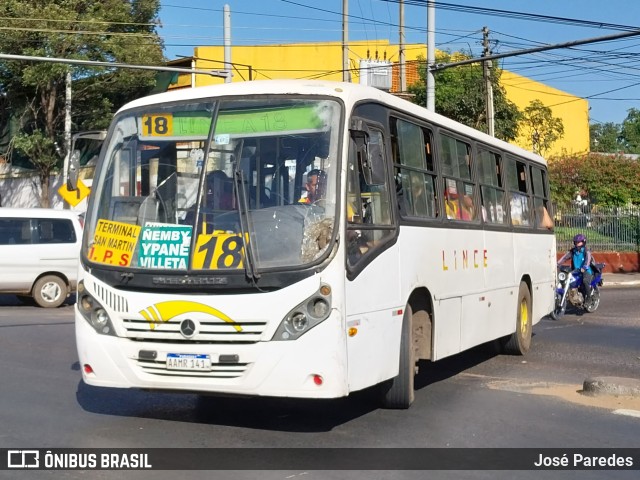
point(415, 344)
point(519, 342)
point(422, 323)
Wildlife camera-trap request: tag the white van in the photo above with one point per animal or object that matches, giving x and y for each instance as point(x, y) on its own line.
point(39, 250)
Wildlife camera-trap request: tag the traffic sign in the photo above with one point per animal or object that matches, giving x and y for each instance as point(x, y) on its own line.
point(74, 197)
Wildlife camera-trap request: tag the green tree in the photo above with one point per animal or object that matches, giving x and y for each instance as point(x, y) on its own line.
point(607, 180)
point(460, 95)
point(605, 137)
point(630, 131)
point(100, 30)
point(541, 127)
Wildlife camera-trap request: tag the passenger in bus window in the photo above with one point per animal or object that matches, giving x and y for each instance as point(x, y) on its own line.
point(467, 211)
point(543, 218)
point(451, 202)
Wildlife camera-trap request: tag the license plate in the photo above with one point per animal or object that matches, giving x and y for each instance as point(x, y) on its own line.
point(188, 361)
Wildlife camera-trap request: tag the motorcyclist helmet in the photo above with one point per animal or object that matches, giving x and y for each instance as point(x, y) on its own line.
point(580, 238)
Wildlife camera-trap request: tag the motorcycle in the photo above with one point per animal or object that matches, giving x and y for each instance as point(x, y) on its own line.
point(571, 290)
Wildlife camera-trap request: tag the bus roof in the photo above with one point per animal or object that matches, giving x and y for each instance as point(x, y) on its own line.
point(350, 93)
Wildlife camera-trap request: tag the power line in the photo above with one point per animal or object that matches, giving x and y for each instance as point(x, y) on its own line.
point(495, 12)
point(73, 22)
point(80, 32)
point(537, 49)
point(93, 63)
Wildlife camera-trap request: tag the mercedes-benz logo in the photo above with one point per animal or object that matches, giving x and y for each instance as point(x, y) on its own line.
point(188, 328)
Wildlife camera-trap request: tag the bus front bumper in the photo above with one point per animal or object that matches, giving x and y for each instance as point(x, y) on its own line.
point(313, 366)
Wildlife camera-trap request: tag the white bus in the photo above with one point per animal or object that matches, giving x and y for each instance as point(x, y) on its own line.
point(210, 264)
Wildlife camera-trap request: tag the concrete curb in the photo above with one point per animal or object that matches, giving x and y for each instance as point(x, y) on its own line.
point(628, 283)
point(611, 386)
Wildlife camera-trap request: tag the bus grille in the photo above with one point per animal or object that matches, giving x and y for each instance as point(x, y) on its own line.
point(218, 370)
point(111, 300)
point(207, 332)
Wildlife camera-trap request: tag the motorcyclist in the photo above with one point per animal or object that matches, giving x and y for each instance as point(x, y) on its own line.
point(581, 259)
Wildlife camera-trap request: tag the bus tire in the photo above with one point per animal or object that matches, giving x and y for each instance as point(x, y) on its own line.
point(399, 392)
point(50, 291)
point(519, 342)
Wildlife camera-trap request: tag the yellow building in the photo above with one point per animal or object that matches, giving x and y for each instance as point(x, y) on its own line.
point(324, 61)
point(572, 110)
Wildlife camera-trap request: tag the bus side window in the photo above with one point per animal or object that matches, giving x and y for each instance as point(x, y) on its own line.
point(414, 169)
point(541, 201)
point(519, 203)
point(459, 190)
point(491, 187)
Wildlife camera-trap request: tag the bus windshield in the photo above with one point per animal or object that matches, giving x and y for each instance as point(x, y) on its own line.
point(191, 186)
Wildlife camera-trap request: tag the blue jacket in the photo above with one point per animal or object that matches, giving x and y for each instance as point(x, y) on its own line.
point(580, 258)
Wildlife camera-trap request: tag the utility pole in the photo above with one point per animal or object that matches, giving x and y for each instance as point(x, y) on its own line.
point(345, 39)
point(227, 42)
point(431, 54)
point(67, 127)
point(486, 72)
point(403, 73)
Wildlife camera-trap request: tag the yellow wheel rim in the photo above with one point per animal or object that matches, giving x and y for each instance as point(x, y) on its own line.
point(524, 318)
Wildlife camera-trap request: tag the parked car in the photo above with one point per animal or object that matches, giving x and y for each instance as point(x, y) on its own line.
point(39, 250)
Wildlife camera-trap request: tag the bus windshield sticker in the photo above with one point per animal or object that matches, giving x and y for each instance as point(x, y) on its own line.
point(270, 120)
point(157, 125)
point(114, 243)
point(222, 139)
point(165, 246)
point(176, 124)
point(219, 250)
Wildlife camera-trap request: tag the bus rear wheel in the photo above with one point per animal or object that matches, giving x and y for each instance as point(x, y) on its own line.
point(519, 342)
point(399, 392)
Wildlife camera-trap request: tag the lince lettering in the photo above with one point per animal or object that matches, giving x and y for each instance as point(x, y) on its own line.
point(464, 259)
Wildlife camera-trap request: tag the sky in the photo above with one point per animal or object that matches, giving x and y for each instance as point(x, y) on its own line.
point(605, 73)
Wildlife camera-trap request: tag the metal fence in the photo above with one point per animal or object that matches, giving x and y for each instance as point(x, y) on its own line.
point(608, 229)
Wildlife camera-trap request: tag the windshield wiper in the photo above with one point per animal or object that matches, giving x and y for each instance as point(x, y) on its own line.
point(243, 214)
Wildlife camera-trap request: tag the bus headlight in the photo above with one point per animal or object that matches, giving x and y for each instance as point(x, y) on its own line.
point(93, 312)
point(306, 315)
point(299, 322)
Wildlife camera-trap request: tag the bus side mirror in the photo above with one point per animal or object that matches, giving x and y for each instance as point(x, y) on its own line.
point(74, 169)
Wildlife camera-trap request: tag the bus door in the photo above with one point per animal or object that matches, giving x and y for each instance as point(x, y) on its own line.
point(373, 281)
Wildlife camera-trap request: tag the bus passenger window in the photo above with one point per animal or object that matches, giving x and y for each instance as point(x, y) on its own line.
point(491, 186)
point(415, 171)
point(541, 202)
point(458, 200)
point(516, 179)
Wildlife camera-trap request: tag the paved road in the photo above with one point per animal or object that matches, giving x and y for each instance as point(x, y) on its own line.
point(476, 399)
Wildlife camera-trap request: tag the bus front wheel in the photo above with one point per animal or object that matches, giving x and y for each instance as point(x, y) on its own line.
point(519, 342)
point(399, 391)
